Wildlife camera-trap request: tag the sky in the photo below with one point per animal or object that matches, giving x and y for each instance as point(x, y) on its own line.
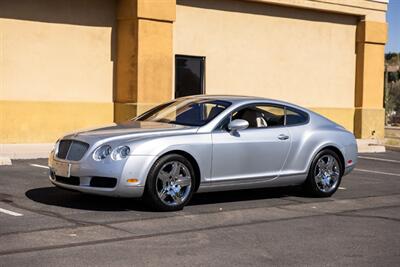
point(393, 18)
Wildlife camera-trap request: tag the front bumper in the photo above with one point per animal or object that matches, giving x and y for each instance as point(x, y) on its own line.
point(80, 176)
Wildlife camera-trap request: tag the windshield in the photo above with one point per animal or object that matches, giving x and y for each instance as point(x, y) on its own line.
point(186, 111)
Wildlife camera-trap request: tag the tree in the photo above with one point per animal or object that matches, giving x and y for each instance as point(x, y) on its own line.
point(392, 87)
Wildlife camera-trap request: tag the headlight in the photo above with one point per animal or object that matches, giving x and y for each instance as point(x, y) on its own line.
point(102, 152)
point(120, 152)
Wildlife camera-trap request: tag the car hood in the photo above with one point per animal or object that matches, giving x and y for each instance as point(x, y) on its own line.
point(129, 130)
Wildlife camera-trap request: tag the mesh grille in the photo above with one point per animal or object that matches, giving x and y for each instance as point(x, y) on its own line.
point(77, 150)
point(63, 148)
point(72, 150)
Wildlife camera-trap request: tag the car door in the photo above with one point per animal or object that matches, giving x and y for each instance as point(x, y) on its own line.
point(259, 151)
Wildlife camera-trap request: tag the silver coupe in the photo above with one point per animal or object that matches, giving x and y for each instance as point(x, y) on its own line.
point(206, 143)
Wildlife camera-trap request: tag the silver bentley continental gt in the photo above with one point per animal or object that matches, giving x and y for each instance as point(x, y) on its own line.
point(206, 143)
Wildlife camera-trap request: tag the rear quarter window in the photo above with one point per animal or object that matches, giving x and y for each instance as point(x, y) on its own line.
point(295, 117)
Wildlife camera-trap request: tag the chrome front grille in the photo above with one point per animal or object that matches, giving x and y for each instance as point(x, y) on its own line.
point(71, 149)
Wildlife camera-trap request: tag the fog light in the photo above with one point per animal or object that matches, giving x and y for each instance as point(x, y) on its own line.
point(132, 180)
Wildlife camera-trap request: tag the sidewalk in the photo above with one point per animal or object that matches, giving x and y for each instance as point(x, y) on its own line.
point(23, 151)
point(392, 138)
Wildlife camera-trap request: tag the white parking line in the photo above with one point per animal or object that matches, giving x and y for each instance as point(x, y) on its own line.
point(377, 172)
point(9, 212)
point(379, 159)
point(39, 166)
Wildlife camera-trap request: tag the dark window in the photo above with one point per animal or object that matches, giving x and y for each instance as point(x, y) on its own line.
point(261, 116)
point(224, 124)
point(294, 117)
point(189, 75)
point(193, 112)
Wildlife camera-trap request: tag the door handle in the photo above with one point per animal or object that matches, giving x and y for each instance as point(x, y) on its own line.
point(283, 137)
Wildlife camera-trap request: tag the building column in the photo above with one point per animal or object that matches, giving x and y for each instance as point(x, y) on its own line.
point(144, 55)
point(369, 115)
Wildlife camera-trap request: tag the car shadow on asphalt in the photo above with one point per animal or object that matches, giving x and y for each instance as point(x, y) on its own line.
point(55, 196)
point(70, 199)
point(245, 195)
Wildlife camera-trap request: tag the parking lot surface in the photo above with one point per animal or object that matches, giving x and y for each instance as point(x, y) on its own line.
point(41, 225)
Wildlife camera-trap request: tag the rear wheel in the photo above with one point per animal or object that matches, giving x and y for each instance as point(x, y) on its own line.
point(325, 174)
point(170, 183)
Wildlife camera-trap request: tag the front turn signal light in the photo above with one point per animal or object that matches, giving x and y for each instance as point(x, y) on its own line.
point(132, 180)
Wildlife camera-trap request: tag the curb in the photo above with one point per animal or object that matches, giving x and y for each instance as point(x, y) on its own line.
point(372, 149)
point(370, 146)
point(393, 148)
point(5, 161)
point(10, 152)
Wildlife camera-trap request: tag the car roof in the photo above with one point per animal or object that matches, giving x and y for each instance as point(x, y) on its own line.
point(236, 99)
point(243, 100)
point(231, 98)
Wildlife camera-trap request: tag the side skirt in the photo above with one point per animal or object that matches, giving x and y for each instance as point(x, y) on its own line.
point(287, 180)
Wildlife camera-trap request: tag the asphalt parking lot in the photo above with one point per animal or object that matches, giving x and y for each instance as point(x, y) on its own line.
point(41, 225)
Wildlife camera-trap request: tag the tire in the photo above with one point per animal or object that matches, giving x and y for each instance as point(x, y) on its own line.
point(325, 174)
point(170, 183)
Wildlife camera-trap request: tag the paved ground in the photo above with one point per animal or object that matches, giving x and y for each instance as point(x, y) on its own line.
point(358, 226)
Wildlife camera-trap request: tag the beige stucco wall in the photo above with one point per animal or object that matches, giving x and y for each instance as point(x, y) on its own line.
point(301, 56)
point(144, 65)
point(372, 10)
point(58, 58)
point(57, 55)
point(68, 58)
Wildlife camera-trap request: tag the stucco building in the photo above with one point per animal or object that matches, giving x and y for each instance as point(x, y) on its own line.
point(70, 64)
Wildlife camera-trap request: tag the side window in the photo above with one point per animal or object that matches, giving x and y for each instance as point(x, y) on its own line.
point(266, 116)
point(262, 116)
point(224, 124)
point(294, 117)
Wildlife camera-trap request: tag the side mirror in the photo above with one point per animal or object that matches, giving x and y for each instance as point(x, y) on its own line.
point(237, 125)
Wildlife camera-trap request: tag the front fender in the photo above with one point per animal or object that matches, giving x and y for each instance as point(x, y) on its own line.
point(199, 146)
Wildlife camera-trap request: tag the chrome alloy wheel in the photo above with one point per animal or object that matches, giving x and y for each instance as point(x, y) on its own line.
point(173, 183)
point(327, 173)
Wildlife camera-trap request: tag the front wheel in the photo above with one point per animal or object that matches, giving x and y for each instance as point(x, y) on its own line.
point(325, 174)
point(170, 183)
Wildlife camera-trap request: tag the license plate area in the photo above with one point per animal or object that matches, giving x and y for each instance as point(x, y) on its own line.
point(62, 168)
